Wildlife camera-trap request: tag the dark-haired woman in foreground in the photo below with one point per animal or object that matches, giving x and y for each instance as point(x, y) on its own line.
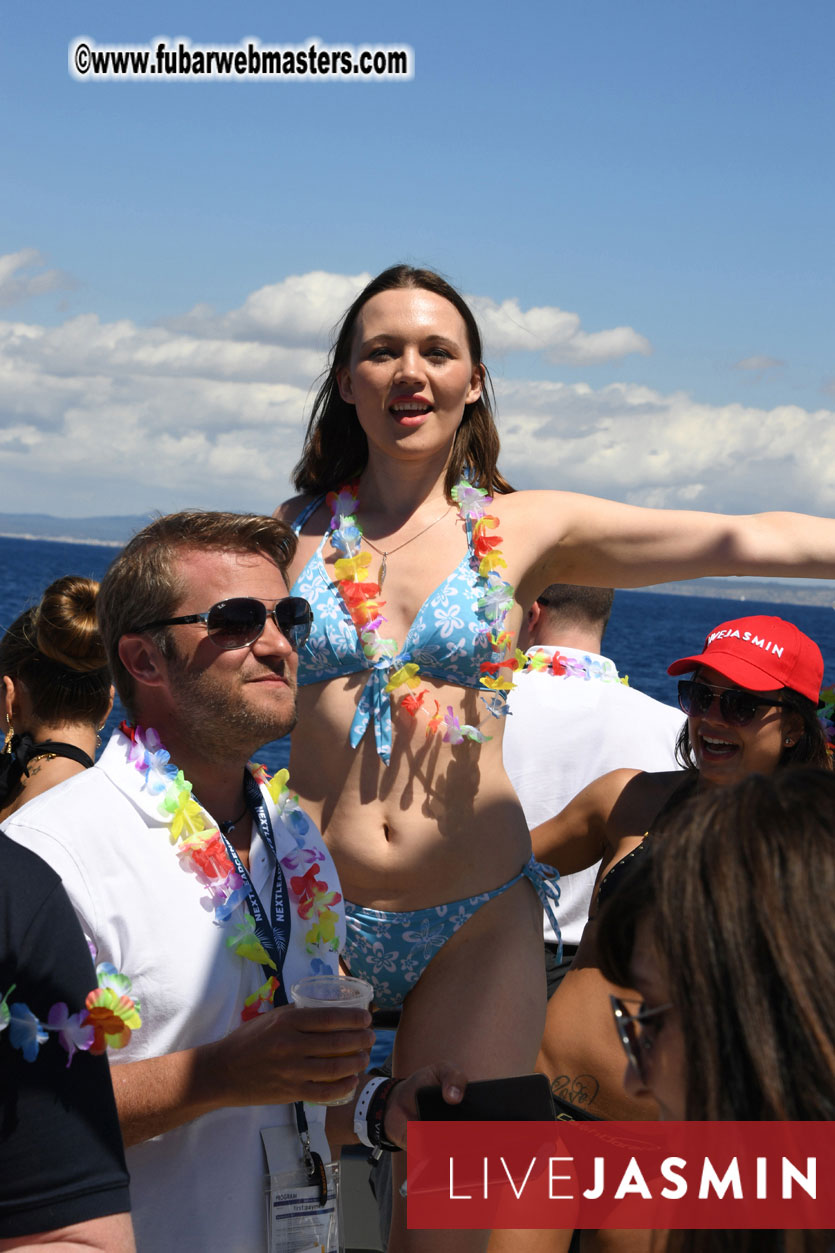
point(727, 936)
point(419, 568)
point(56, 691)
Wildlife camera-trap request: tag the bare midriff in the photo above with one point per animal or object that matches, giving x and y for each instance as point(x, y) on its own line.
point(439, 823)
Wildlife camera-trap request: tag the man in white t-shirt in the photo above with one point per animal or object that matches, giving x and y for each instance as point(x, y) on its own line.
point(572, 720)
point(206, 893)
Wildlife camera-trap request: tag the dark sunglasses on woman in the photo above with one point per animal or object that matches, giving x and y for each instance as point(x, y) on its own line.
point(637, 1042)
point(737, 706)
point(238, 622)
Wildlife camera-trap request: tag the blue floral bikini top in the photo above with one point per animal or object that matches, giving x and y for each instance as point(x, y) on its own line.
point(449, 637)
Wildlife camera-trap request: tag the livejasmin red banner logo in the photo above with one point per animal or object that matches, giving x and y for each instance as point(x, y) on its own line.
point(621, 1174)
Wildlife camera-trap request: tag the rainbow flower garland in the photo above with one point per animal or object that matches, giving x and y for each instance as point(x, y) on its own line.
point(540, 662)
point(361, 596)
point(109, 1018)
point(201, 850)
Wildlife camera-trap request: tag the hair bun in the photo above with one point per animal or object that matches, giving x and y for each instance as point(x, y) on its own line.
point(64, 624)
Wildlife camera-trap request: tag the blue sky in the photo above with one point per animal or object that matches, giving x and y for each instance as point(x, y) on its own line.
point(660, 167)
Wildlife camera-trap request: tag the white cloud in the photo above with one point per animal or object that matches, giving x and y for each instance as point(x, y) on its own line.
point(304, 308)
point(100, 417)
point(146, 413)
point(636, 444)
point(551, 331)
point(84, 345)
point(19, 283)
point(301, 309)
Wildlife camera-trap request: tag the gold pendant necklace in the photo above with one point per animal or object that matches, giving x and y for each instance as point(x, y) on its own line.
point(386, 553)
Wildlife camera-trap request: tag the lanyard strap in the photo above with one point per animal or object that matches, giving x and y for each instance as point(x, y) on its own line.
point(274, 934)
point(273, 931)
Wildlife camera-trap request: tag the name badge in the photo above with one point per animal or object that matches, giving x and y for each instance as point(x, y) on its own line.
point(302, 1214)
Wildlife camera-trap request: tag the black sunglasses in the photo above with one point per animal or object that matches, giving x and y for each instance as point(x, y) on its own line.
point(637, 1043)
point(238, 622)
point(736, 706)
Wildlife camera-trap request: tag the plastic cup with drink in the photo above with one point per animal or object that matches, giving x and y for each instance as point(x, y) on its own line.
point(332, 992)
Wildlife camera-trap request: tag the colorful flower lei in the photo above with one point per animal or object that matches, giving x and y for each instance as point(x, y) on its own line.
point(201, 850)
point(109, 1018)
point(538, 661)
point(361, 597)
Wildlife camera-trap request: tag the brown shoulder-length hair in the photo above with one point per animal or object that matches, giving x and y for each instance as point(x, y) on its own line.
point(335, 447)
point(737, 889)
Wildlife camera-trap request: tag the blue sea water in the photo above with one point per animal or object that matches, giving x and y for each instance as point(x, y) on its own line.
point(646, 631)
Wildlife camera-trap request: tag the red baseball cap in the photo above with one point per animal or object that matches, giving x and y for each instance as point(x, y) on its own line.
point(760, 654)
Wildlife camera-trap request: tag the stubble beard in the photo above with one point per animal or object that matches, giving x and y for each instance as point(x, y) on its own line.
point(214, 715)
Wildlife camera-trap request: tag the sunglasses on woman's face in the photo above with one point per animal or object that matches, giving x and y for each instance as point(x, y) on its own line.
point(736, 706)
point(637, 1041)
point(238, 622)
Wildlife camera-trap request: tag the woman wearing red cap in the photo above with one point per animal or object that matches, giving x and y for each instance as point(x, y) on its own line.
point(760, 657)
point(751, 705)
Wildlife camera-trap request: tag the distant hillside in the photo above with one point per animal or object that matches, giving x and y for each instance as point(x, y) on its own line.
point(792, 592)
point(101, 530)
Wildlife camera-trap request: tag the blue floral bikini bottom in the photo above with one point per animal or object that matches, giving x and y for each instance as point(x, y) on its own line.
point(392, 950)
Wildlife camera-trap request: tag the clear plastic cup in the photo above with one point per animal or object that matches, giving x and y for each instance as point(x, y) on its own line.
point(332, 992)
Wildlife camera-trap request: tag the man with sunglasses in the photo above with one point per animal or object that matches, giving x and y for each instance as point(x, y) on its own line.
point(210, 891)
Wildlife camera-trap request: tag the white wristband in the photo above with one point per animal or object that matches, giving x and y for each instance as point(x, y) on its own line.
point(361, 1109)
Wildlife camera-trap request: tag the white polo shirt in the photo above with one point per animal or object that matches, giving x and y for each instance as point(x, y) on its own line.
point(200, 1186)
point(565, 731)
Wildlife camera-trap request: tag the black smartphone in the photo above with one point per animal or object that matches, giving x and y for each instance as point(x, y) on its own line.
point(520, 1098)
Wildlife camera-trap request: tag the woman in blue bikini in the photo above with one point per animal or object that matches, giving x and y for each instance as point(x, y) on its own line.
point(419, 561)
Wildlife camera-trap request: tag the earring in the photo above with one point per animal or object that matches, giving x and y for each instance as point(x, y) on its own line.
point(7, 744)
point(789, 742)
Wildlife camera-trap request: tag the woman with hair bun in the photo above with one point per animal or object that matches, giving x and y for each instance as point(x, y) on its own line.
point(56, 691)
